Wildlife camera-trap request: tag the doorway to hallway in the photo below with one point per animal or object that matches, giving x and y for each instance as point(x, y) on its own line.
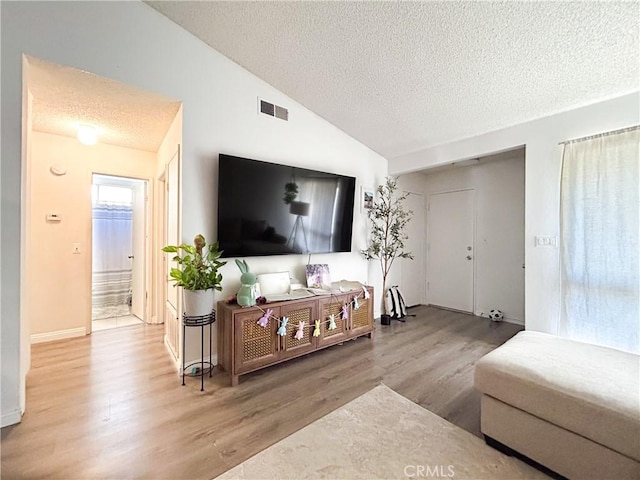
point(118, 252)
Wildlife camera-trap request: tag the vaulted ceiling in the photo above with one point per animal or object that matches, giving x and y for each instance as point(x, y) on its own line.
point(402, 76)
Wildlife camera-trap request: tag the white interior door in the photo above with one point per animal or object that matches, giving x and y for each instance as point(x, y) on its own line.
point(138, 260)
point(413, 283)
point(172, 237)
point(451, 250)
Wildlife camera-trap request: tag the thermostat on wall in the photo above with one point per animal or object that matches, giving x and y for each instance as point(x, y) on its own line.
point(54, 217)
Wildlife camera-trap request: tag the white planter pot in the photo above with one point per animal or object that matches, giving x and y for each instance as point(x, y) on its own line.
point(198, 302)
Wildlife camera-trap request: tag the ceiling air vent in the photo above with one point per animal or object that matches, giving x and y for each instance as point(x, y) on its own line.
point(273, 110)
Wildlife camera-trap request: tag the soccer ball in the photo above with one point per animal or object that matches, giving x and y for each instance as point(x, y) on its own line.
point(496, 315)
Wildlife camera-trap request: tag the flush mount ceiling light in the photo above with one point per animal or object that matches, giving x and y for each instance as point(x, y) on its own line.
point(87, 135)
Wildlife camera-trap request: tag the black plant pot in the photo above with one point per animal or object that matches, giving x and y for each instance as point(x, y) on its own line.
point(385, 319)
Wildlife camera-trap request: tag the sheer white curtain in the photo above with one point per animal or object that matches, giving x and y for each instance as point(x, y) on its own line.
point(600, 240)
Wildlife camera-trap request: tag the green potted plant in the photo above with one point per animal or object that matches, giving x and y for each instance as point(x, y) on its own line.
point(290, 192)
point(198, 274)
point(388, 224)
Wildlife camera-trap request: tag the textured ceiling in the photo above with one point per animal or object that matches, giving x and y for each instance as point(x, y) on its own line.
point(64, 98)
point(401, 76)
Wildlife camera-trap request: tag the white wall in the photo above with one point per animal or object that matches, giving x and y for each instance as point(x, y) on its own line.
point(412, 184)
point(58, 293)
point(542, 186)
point(132, 43)
point(499, 252)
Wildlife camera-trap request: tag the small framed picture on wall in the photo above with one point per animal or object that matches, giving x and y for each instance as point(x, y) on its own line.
point(368, 195)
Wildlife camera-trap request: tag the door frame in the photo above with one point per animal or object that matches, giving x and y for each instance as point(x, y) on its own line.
point(474, 214)
point(423, 253)
point(160, 235)
point(177, 359)
point(148, 229)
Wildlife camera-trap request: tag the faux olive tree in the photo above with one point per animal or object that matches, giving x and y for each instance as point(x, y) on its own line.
point(388, 224)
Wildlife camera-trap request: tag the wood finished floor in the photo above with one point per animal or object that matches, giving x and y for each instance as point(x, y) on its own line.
point(111, 405)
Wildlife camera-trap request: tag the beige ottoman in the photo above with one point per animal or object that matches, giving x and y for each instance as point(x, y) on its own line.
point(570, 406)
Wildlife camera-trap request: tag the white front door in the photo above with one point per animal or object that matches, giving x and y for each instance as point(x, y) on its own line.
point(451, 250)
point(413, 284)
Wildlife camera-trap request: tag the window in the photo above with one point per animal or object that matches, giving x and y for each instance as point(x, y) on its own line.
point(112, 195)
point(600, 240)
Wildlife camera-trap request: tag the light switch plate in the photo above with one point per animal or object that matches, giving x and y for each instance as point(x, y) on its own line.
point(546, 241)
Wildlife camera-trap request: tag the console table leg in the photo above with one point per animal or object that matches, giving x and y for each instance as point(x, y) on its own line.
point(184, 331)
point(234, 380)
point(201, 321)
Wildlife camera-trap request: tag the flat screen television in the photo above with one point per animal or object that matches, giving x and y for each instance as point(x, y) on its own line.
point(272, 209)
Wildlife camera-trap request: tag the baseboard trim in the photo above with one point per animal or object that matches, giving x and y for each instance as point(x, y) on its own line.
point(173, 358)
point(450, 309)
point(58, 335)
point(10, 418)
point(178, 364)
point(514, 321)
point(213, 359)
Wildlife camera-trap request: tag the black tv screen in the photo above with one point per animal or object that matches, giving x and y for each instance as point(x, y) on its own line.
point(271, 209)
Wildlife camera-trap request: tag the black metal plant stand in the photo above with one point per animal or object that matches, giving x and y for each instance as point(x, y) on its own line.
point(199, 368)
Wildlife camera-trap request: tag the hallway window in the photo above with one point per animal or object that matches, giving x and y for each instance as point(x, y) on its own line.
point(112, 195)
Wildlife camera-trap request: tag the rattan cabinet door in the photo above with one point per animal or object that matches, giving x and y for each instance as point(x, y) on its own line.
point(332, 306)
point(361, 319)
point(299, 312)
point(255, 346)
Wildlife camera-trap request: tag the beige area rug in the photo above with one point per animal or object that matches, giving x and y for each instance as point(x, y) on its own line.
point(383, 435)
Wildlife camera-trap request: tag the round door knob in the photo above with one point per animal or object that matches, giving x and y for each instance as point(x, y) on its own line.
point(130, 256)
point(468, 257)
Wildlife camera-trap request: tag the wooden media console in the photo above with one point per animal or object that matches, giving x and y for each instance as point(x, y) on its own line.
point(245, 346)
